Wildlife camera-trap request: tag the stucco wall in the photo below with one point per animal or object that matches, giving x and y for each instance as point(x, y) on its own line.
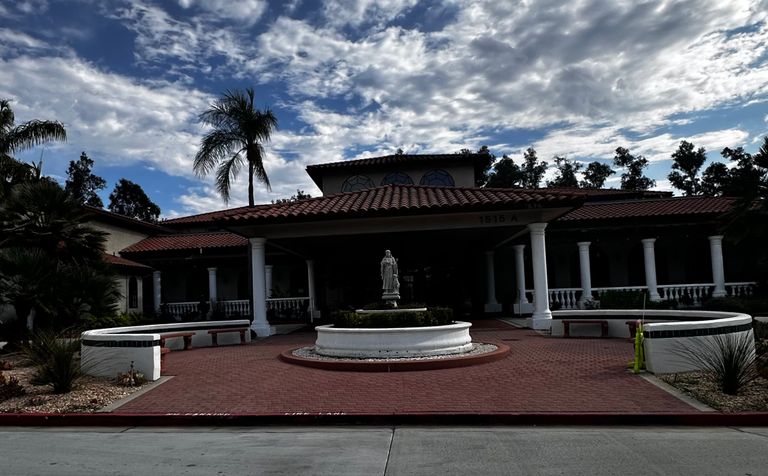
point(463, 175)
point(119, 238)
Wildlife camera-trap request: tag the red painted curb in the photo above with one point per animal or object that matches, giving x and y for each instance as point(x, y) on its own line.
point(397, 365)
point(475, 419)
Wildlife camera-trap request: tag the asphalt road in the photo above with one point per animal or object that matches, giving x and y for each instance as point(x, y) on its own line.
point(377, 451)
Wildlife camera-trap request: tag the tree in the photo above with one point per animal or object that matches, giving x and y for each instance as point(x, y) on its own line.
point(566, 173)
point(239, 130)
point(300, 195)
point(633, 178)
point(129, 199)
point(714, 180)
point(744, 179)
point(483, 166)
point(15, 139)
point(83, 184)
point(506, 173)
point(51, 261)
point(685, 168)
point(596, 174)
point(533, 170)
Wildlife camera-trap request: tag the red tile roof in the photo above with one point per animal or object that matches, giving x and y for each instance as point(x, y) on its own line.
point(651, 208)
point(393, 200)
point(187, 242)
point(120, 261)
point(397, 159)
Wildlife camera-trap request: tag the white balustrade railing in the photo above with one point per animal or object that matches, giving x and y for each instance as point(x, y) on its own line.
point(686, 294)
point(240, 307)
point(181, 309)
point(291, 307)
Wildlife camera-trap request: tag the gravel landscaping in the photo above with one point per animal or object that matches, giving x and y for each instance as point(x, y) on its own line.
point(90, 394)
point(753, 398)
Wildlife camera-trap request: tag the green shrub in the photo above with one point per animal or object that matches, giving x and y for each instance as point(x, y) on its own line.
point(622, 299)
point(747, 305)
point(10, 387)
point(431, 317)
point(56, 360)
point(728, 359)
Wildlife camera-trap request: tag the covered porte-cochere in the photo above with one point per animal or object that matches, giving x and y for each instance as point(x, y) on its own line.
point(444, 240)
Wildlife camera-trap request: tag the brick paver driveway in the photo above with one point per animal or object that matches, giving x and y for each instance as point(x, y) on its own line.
point(541, 374)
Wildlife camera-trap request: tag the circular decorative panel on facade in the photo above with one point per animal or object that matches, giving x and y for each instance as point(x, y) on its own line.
point(397, 178)
point(437, 178)
point(357, 182)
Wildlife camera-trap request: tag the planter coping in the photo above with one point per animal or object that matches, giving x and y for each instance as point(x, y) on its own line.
point(382, 330)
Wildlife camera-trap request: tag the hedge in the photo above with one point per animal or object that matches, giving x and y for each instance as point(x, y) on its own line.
point(437, 316)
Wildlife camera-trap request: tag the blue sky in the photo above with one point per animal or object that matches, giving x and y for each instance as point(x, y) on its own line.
point(357, 78)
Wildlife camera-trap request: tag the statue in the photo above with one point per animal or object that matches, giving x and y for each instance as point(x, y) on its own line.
point(390, 285)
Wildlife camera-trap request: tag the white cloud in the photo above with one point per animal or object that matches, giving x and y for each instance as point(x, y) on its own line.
point(357, 12)
point(117, 119)
point(242, 11)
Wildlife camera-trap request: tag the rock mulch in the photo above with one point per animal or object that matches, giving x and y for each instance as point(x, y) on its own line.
point(309, 353)
point(89, 395)
point(753, 398)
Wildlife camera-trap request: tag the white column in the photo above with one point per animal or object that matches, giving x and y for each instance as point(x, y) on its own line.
point(313, 312)
point(156, 286)
point(718, 271)
point(268, 277)
point(650, 269)
point(586, 274)
point(140, 293)
point(542, 316)
point(491, 305)
point(212, 291)
point(520, 273)
point(260, 325)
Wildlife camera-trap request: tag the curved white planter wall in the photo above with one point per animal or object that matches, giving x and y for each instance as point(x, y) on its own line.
point(665, 332)
point(393, 342)
point(105, 352)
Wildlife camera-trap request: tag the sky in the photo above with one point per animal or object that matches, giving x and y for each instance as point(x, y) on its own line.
point(351, 79)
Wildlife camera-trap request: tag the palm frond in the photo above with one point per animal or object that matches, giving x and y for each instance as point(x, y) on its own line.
point(6, 117)
point(34, 133)
point(217, 145)
point(228, 171)
point(256, 159)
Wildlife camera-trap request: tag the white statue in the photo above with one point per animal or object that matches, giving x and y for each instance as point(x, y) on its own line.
point(390, 285)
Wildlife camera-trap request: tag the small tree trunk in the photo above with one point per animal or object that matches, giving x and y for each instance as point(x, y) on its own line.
point(250, 184)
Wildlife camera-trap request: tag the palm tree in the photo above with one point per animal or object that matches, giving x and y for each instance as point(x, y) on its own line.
point(17, 138)
point(238, 132)
point(25, 136)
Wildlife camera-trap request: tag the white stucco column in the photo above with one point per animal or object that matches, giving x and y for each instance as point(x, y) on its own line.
point(260, 325)
point(157, 288)
point(491, 305)
point(268, 279)
point(718, 271)
point(311, 289)
point(586, 273)
point(140, 292)
point(520, 273)
point(650, 269)
point(212, 292)
point(542, 316)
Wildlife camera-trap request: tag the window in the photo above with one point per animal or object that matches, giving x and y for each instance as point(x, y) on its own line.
point(357, 182)
point(133, 293)
point(437, 178)
point(397, 178)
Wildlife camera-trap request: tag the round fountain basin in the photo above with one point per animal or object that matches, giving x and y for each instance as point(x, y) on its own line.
point(393, 342)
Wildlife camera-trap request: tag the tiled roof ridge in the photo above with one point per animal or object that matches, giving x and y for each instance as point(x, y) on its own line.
point(366, 160)
point(656, 199)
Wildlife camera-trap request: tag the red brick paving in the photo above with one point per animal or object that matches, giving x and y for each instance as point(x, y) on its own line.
point(541, 374)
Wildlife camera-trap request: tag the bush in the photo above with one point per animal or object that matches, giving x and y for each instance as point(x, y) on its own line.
point(625, 299)
point(729, 360)
point(56, 360)
point(437, 316)
point(725, 304)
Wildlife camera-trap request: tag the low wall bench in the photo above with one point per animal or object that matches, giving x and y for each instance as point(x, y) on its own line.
point(602, 322)
point(215, 334)
point(171, 335)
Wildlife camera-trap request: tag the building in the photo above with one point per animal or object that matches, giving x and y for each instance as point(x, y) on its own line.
point(474, 249)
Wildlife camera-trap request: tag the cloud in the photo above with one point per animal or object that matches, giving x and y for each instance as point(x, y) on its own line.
point(357, 12)
point(242, 11)
point(120, 120)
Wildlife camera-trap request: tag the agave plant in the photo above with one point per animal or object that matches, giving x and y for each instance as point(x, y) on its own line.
point(728, 359)
point(56, 360)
